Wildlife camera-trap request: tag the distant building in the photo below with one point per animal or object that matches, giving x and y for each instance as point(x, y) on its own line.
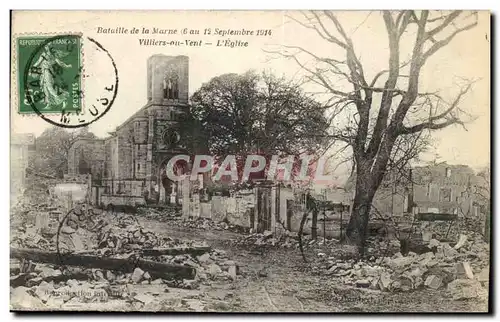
point(437, 188)
point(445, 188)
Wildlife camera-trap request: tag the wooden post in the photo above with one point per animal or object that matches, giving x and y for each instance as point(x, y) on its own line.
point(324, 225)
point(341, 223)
point(314, 224)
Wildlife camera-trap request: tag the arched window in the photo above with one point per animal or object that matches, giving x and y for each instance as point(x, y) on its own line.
point(171, 86)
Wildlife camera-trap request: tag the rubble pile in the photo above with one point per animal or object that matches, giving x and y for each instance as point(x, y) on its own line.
point(42, 285)
point(263, 239)
point(207, 224)
point(159, 214)
point(440, 230)
point(37, 229)
point(211, 266)
point(462, 269)
point(125, 234)
point(284, 238)
point(49, 286)
point(27, 236)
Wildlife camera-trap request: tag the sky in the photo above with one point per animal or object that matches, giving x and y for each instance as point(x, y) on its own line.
point(467, 56)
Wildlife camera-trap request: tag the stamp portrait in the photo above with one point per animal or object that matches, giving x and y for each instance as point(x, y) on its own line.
point(49, 74)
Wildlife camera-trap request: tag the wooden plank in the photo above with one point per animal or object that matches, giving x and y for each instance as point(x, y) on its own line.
point(127, 265)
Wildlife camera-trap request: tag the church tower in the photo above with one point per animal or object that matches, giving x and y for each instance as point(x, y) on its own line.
point(168, 80)
point(168, 118)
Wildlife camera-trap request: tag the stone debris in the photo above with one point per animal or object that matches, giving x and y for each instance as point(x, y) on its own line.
point(137, 275)
point(165, 214)
point(432, 269)
point(464, 270)
point(194, 304)
point(233, 272)
point(282, 238)
point(203, 258)
point(206, 224)
point(144, 298)
point(433, 282)
point(40, 285)
point(23, 298)
point(484, 275)
point(461, 241)
point(462, 289)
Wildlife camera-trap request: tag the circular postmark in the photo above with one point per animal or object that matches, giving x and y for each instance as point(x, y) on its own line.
point(63, 88)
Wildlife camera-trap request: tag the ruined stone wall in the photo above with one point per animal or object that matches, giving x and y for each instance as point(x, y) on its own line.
point(125, 158)
point(439, 188)
point(114, 157)
point(239, 208)
point(92, 152)
point(140, 147)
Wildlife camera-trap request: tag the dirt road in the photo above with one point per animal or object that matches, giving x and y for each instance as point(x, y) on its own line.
point(276, 279)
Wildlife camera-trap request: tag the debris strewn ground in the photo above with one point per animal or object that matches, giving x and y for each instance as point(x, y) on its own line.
point(57, 286)
point(443, 266)
point(206, 224)
point(246, 271)
point(460, 267)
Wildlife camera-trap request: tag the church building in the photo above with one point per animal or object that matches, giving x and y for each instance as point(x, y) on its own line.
point(131, 162)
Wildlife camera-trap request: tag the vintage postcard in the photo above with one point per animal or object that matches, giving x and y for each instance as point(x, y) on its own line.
point(250, 161)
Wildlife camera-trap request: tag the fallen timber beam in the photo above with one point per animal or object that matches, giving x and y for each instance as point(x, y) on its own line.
point(194, 251)
point(127, 265)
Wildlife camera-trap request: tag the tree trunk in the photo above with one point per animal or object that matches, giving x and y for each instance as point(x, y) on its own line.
point(357, 227)
point(369, 174)
point(314, 224)
point(301, 230)
point(358, 223)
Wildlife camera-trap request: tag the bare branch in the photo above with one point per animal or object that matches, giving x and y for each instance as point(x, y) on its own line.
point(322, 80)
point(382, 72)
point(404, 24)
point(452, 105)
point(432, 124)
point(440, 44)
point(330, 37)
point(449, 19)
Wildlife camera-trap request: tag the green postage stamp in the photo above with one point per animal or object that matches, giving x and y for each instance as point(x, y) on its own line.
point(48, 75)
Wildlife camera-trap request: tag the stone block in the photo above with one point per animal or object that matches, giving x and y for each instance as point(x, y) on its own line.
point(461, 289)
point(464, 270)
point(384, 281)
point(137, 275)
point(484, 275)
point(433, 282)
point(461, 241)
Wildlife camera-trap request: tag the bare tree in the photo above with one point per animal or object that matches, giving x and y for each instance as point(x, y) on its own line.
point(389, 107)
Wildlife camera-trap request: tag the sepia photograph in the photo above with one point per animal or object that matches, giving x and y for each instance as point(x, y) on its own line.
point(250, 161)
